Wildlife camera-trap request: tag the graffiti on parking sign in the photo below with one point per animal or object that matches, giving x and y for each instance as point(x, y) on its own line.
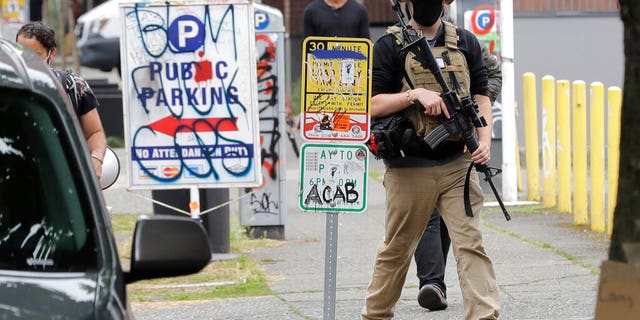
point(190, 95)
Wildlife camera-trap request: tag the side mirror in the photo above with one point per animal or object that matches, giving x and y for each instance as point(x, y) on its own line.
point(110, 169)
point(167, 246)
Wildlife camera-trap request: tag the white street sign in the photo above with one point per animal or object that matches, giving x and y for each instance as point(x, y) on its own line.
point(333, 177)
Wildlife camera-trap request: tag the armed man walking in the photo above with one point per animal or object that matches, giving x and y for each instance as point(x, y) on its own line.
point(433, 248)
point(423, 178)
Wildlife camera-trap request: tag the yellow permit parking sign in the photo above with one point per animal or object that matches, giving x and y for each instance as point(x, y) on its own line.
point(336, 88)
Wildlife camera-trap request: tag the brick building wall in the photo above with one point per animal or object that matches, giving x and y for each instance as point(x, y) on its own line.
point(380, 11)
point(565, 5)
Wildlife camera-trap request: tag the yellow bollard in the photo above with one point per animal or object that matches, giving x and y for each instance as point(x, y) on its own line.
point(564, 145)
point(613, 152)
point(531, 136)
point(548, 141)
point(596, 169)
point(580, 215)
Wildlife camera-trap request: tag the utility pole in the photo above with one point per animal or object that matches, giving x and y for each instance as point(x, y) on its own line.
point(509, 170)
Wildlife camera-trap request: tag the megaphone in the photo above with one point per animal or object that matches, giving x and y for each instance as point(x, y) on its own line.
point(110, 169)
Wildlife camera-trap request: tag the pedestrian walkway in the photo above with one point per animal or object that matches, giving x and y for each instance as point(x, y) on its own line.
point(546, 268)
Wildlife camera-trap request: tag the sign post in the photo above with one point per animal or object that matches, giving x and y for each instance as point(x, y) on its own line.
point(336, 85)
point(334, 179)
point(509, 168)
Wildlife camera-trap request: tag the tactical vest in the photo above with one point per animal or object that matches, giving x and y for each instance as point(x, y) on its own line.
point(423, 78)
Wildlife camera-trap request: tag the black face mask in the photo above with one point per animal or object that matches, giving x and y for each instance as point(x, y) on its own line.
point(427, 12)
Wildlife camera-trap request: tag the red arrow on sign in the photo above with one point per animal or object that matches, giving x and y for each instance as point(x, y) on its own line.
point(170, 124)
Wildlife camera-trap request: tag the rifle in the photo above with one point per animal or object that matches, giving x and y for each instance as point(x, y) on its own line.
point(462, 111)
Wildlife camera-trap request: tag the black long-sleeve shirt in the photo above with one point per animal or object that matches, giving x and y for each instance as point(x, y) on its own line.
point(351, 20)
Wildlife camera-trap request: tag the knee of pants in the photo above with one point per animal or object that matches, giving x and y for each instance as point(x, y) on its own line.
point(469, 240)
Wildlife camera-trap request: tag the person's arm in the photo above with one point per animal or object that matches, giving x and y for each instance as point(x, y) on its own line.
point(482, 155)
point(96, 138)
point(480, 93)
point(389, 103)
point(385, 104)
point(90, 123)
point(494, 73)
point(388, 97)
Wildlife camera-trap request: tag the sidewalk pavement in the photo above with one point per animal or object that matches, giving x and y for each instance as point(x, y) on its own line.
point(546, 267)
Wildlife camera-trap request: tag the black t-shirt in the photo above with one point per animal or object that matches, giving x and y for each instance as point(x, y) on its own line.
point(351, 20)
point(78, 90)
point(388, 65)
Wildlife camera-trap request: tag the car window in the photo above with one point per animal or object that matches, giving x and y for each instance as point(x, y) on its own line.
point(42, 224)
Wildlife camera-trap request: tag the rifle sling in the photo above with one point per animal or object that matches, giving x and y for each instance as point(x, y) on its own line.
point(488, 176)
point(467, 201)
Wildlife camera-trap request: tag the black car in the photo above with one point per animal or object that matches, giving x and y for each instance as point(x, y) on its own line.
point(58, 256)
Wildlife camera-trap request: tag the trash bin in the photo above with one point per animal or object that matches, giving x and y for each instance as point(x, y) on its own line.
point(110, 98)
point(216, 222)
point(264, 212)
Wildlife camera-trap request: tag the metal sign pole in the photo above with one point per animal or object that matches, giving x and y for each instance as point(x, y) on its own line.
point(194, 203)
point(330, 262)
point(334, 176)
point(509, 151)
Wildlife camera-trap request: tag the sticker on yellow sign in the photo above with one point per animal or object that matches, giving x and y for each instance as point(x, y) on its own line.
point(336, 88)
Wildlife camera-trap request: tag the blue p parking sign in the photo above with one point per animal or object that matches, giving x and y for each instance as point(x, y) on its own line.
point(484, 20)
point(186, 33)
point(262, 19)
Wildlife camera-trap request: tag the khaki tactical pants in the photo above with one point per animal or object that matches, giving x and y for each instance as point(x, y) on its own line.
point(412, 193)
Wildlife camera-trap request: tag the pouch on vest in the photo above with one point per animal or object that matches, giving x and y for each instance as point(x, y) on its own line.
point(391, 137)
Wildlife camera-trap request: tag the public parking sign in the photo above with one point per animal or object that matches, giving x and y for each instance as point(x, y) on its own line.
point(190, 94)
point(336, 88)
point(333, 177)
